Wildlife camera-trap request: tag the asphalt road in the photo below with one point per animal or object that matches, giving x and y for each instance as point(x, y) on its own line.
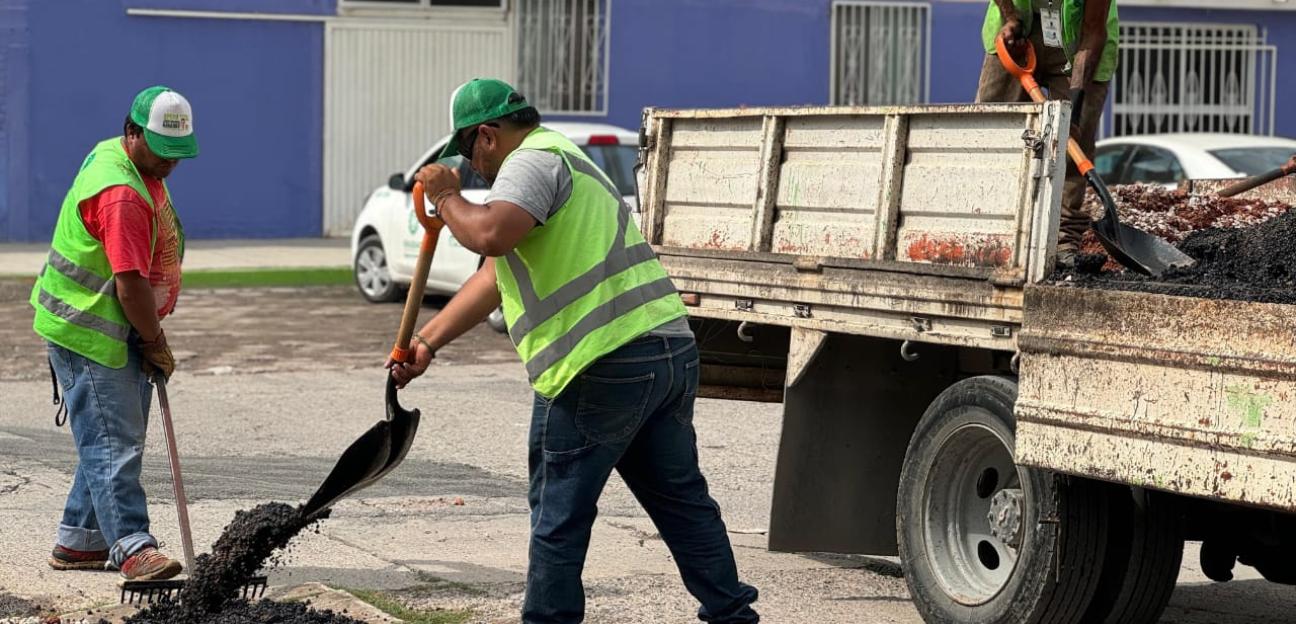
point(274, 383)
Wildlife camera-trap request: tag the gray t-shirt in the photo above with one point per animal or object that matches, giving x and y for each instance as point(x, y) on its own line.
point(538, 182)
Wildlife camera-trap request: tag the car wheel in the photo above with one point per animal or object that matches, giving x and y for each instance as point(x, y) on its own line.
point(371, 274)
point(496, 321)
point(984, 541)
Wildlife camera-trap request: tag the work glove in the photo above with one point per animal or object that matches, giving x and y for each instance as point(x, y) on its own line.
point(157, 357)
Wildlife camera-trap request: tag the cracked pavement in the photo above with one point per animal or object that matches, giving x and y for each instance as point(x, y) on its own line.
point(274, 383)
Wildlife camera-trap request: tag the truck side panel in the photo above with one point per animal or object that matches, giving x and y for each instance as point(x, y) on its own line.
point(1193, 396)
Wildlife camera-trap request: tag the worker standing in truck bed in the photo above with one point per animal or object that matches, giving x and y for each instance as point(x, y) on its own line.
point(1076, 42)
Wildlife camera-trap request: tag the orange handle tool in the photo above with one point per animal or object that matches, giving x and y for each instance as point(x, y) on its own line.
point(402, 352)
point(1026, 74)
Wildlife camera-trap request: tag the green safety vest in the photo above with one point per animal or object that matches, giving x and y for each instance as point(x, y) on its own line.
point(583, 284)
point(1072, 20)
point(76, 295)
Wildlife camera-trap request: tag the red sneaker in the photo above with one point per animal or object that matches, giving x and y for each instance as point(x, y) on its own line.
point(149, 565)
point(64, 558)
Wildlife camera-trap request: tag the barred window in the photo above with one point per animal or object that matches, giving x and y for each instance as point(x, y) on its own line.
point(1194, 78)
point(562, 54)
point(881, 53)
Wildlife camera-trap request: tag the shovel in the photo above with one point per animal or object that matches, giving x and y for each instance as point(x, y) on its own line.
point(1243, 186)
point(1133, 248)
point(384, 446)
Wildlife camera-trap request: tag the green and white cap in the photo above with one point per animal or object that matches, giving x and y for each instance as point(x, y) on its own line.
point(167, 120)
point(478, 101)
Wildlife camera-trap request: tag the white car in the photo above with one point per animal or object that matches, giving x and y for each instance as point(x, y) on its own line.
point(1168, 158)
point(386, 236)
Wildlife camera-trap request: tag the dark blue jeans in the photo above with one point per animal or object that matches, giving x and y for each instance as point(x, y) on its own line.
point(632, 411)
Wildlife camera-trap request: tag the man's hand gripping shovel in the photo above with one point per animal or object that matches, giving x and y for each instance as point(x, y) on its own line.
point(385, 445)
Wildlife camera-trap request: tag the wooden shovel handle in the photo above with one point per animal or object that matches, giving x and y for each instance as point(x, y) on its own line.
point(402, 352)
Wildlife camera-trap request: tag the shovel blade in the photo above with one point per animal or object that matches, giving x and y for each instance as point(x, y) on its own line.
point(369, 458)
point(1138, 250)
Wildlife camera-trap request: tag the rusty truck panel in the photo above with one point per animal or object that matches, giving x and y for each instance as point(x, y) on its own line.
point(1193, 396)
point(919, 223)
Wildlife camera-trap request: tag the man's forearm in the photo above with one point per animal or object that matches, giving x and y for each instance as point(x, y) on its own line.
point(1007, 10)
point(1092, 43)
point(470, 306)
point(136, 298)
point(473, 224)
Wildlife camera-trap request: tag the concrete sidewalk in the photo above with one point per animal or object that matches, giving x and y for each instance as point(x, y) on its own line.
point(27, 259)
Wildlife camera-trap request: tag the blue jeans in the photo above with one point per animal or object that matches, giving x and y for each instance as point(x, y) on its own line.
point(108, 414)
point(632, 411)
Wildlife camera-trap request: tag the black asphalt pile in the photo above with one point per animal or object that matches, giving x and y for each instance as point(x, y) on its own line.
point(243, 612)
point(247, 545)
point(15, 607)
point(1245, 249)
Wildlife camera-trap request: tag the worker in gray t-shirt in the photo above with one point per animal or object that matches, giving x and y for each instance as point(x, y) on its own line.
point(601, 331)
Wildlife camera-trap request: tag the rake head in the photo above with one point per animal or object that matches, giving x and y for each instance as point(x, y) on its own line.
point(142, 593)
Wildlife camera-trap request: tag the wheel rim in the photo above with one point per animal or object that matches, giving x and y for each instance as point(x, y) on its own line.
point(973, 518)
point(371, 272)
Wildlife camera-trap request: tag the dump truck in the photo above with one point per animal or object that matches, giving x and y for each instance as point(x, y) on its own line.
point(1032, 451)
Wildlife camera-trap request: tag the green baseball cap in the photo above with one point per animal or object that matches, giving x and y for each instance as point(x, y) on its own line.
point(478, 101)
point(167, 120)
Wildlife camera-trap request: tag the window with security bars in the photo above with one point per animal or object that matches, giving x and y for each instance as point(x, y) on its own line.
point(1193, 78)
point(486, 4)
point(562, 54)
point(881, 53)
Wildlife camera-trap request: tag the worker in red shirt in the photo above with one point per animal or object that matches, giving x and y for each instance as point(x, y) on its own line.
point(112, 274)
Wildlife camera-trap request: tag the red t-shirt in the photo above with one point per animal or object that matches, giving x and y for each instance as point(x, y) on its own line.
point(120, 219)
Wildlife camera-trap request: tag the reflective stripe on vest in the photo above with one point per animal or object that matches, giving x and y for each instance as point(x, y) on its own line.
point(601, 283)
point(82, 318)
point(81, 276)
point(619, 259)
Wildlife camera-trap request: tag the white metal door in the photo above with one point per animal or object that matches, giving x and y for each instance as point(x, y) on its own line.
point(387, 93)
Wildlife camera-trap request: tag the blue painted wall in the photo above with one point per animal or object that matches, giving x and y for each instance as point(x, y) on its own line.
point(714, 53)
point(68, 69)
point(256, 91)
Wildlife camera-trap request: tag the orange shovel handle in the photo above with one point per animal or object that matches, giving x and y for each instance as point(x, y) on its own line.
point(402, 352)
point(1026, 74)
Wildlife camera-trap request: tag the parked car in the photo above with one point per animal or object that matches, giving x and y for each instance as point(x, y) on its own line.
point(385, 239)
point(1169, 158)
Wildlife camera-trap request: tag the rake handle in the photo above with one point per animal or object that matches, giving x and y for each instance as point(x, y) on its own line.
point(1260, 180)
point(177, 483)
point(402, 352)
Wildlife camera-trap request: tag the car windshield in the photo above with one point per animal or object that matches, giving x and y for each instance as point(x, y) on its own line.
point(618, 161)
point(1254, 160)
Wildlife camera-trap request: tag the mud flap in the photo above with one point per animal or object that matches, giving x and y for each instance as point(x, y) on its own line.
point(846, 424)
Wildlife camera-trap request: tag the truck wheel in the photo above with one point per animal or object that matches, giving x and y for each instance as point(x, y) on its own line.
point(1145, 543)
point(984, 541)
point(371, 274)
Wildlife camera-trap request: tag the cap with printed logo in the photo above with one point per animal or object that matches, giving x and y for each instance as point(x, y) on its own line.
point(478, 101)
point(167, 120)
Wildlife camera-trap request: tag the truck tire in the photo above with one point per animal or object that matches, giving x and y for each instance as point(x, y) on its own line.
point(1037, 562)
point(1145, 542)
